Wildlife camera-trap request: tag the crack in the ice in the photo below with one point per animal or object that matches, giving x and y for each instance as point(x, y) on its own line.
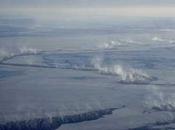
point(55, 122)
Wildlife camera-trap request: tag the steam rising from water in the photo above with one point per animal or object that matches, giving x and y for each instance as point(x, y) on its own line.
point(6, 54)
point(157, 100)
point(123, 73)
point(127, 75)
point(159, 39)
point(110, 45)
point(131, 42)
point(28, 50)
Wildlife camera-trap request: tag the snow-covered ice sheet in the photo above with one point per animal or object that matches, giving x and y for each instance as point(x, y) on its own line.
point(108, 81)
point(59, 83)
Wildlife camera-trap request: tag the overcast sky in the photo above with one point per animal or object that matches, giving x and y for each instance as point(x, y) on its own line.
point(90, 8)
point(80, 3)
